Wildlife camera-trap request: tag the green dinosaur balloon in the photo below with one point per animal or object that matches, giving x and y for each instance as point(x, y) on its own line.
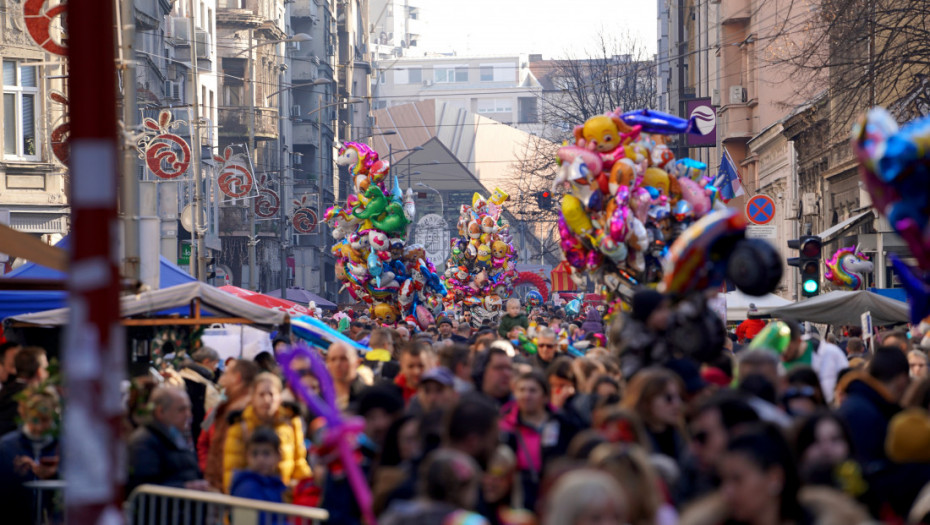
point(393, 219)
point(376, 205)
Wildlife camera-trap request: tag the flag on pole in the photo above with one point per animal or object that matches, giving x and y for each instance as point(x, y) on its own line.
point(728, 181)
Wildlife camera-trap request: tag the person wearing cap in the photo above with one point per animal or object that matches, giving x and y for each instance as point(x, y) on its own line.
point(436, 391)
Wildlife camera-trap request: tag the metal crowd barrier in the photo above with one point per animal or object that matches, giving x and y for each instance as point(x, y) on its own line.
point(158, 505)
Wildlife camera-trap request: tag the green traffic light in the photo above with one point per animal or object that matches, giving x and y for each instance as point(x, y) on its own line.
point(810, 286)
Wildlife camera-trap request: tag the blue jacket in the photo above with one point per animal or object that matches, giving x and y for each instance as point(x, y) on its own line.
point(248, 484)
point(16, 501)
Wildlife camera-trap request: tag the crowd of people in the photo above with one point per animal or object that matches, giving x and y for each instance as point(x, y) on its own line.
point(539, 419)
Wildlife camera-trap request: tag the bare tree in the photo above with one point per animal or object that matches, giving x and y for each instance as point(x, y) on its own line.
point(616, 74)
point(861, 53)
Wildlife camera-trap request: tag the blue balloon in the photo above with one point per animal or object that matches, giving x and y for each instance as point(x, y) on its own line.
point(533, 298)
point(658, 122)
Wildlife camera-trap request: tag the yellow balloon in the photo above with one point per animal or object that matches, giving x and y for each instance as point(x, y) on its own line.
point(656, 178)
point(575, 215)
point(499, 196)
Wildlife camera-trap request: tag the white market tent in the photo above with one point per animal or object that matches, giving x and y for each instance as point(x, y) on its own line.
point(845, 308)
point(738, 304)
point(163, 307)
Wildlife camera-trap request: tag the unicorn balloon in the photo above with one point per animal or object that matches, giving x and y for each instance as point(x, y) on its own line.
point(847, 268)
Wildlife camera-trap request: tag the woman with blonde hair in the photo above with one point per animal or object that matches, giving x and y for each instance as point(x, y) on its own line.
point(585, 496)
point(654, 394)
point(265, 409)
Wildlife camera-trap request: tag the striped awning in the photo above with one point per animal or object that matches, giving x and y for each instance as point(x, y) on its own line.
point(561, 279)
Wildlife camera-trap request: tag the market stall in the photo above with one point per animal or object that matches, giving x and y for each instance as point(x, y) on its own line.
point(844, 308)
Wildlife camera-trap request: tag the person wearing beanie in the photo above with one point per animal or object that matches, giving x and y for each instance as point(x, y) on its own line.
point(908, 438)
point(444, 325)
point(592, 323)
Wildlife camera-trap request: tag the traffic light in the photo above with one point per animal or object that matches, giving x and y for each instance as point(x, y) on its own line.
point(544, 199)
point(810, 251)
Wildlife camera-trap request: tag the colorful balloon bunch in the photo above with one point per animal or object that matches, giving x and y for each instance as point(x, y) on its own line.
point(626, 198)
point(482, 265)
point(895, 167)
point(378, 267)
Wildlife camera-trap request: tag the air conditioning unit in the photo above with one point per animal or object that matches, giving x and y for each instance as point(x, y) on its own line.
point(737, 95)
point(295, 110)
point(427, 83)
point(315, 59)
point(204, 45)
point(715, 98)
point(172, 90)
point(180, 29)
point(206, 124)
point(314, 19)
point(294, 46)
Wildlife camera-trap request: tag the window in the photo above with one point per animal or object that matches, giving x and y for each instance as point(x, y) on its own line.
point(415, 75)
point(450, 74)
point(20, 119)
point(487, 73)
point(495, 105)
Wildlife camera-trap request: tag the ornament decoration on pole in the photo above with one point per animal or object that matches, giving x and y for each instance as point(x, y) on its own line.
point(58, 138)
point(268, 202)
point(305, 219)
point(166, 154)
point(235, 179)
point(39, 17)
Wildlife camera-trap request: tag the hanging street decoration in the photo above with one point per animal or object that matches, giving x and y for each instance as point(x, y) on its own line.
point(167, 155)
point(305, 219)
point(39, 18)
point(268, 203)
point(235, 179)
point(58, 138)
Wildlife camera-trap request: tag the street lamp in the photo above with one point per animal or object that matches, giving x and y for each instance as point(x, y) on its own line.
point(253, 241)
point(319, 177)
point(442, 206)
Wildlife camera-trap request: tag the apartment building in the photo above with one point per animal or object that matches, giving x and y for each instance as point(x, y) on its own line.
point(499, 88)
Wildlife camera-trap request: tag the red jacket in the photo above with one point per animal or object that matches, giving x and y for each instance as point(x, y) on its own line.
point(408, 391)
point(749, 329)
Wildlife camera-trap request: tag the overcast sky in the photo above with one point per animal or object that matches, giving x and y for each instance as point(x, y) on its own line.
point(550, 27)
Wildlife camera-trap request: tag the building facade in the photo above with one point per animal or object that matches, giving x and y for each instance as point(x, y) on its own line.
point(33, 174)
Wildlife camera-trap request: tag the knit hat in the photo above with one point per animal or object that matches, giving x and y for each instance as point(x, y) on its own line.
point(908, 438)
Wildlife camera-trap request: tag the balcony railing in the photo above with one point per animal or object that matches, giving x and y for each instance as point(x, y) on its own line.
point(234, 121)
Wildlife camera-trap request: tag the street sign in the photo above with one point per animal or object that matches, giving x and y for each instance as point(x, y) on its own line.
point(760, 209)
point(704, 113)
point(184, 258)
point(758, 231)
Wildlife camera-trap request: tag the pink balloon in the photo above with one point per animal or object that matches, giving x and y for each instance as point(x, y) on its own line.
point(640, 202)
point(695, 195)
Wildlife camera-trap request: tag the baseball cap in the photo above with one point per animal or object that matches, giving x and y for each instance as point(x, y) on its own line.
point(440, 374)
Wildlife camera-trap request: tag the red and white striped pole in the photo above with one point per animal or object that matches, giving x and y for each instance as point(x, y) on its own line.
point(94, 348)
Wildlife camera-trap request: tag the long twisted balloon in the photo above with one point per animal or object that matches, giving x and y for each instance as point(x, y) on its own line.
point(340, 431)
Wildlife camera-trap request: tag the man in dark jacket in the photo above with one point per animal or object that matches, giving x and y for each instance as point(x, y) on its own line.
point(158, 451)
point(871, 400)
point(31, 366)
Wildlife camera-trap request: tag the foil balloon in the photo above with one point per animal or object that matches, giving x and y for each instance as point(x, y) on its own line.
point(626, 198)
point(847, 268)
point(660, 123)
point(481, 261)
point(533, 298)
point(573, 307)
point(775, 337)
point(893, 166)
point(373, 252)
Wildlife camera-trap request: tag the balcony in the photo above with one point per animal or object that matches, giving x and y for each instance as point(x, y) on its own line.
point(735, 121)
point(735, 11)
point(235, 121)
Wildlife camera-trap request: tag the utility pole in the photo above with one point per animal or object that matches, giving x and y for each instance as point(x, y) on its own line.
point(94, 346)
point(319, 183)
point(253, 240)
point(198, 255)
point(283, 179)
point(129, 181)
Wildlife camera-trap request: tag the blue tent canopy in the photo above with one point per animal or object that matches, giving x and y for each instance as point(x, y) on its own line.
point(14, 302)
